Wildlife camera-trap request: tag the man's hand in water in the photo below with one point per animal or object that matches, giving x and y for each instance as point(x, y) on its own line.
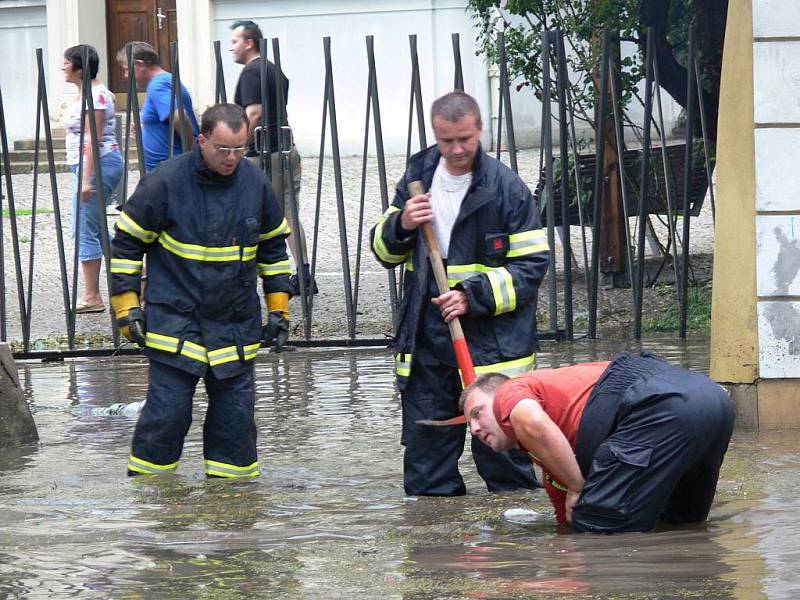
point(570, 502)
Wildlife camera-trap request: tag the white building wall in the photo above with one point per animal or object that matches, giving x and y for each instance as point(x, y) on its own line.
point(776, 70)
point(23, 28)
point(301, 26)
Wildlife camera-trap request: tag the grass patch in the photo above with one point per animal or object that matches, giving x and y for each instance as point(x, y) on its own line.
point(27, 212)
point(698, 313)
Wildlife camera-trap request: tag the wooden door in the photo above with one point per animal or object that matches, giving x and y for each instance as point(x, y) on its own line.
point(151, 21)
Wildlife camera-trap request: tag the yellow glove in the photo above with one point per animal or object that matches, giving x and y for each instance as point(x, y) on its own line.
point(278, 301)
point(276, 331)
point(130, 318)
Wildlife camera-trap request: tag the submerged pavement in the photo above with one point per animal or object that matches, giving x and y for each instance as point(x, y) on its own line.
point(328, 517)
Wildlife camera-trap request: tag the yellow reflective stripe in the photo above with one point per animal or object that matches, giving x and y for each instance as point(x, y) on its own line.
point(410, 262)
point(458, 273)
point(196, 252)
point(249, 252)
point(402, 364)
point(223, 355)
point(250, 350)
point(505, 298)
point(526, 242)
point(142, 466)
point(509, 367)
point(278, 268)
point(125, 266)
point(221, 469)
point(195, 351)
point(378, 244)
point(128, 225)
point(282, 229)
point(158, 341)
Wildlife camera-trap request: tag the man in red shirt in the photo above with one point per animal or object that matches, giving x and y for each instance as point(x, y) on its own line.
point(621, 444)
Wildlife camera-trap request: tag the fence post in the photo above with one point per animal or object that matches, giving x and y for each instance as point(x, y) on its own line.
point(562, 82)
point(94, 139)
point(691, 93)
point(51, 163)
point(643, 182)
point(505, 101)
point(599, 171)
point(373, 103)
point(458, 73)
point(415, 100)
point(220, 93)
point(337, 171)
point(548, 192)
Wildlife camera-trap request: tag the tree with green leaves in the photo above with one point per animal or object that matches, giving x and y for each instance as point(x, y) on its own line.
point(581, 21)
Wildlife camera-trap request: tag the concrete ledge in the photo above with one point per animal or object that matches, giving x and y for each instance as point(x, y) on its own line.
point(779, 403)
point(16, 422)
point(745, 401)
point(766, 403)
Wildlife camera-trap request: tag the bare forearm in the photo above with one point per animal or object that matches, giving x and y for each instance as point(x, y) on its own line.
point(555, 453)
point(539, 434)
point(184, 128)
point(253, 119)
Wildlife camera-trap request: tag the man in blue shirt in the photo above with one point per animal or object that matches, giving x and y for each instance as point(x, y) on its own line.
point(155, 112)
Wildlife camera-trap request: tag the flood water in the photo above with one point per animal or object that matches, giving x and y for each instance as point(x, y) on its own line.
point(328, 518)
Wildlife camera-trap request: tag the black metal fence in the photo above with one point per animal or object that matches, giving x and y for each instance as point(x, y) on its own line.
point(562, 206)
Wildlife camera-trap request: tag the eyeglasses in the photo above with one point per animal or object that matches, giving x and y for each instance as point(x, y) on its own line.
point(238, 151)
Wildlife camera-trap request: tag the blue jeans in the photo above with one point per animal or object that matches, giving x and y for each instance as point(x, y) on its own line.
point(89, 242)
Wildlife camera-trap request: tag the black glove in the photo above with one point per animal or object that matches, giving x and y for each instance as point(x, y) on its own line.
point(276, 331)
point(131, 325)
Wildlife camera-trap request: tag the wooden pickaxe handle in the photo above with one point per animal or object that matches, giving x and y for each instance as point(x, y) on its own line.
point(463, 357)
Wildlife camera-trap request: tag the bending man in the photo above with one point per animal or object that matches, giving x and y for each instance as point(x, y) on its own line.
point(621, 444)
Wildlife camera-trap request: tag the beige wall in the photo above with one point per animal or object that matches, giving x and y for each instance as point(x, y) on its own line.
point(71, 22)
point(195, 50)
point(734, 328)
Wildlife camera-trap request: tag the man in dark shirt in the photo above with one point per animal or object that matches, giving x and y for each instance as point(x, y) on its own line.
point(245, 49)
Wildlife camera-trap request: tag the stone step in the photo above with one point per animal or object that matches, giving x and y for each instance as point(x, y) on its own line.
point(28, 155)
point(30, 144)
point(61, 167)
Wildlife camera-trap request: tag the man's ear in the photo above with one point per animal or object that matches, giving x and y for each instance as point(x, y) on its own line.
point(201, 139)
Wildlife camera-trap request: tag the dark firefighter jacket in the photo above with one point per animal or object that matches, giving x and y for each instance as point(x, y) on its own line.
point(206, 237)
point(498, 255)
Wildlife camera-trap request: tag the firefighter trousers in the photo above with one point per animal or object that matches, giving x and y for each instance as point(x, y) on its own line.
point(229, 429)
point(661, 457)
point(430, 463)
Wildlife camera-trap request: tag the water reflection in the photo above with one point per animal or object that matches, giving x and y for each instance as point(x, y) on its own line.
point(328, 517)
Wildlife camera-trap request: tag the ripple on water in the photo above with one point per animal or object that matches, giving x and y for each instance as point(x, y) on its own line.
point(329, 512)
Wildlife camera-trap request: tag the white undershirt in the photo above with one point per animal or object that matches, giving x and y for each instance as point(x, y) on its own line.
point(447, 193)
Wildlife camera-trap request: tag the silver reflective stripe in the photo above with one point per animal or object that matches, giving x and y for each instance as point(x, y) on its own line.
point(138, 465)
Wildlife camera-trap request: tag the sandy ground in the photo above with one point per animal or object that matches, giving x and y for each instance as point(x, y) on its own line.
point(369, 282)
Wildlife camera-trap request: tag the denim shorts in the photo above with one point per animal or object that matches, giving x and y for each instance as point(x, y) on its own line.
point(89, 243)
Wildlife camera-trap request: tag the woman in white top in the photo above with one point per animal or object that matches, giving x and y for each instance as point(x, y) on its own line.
point(86, 229)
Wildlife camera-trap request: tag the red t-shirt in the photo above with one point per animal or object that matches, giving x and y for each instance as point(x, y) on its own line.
point(562, 394)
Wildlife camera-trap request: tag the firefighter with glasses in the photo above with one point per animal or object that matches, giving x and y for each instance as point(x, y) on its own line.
point(210, 225)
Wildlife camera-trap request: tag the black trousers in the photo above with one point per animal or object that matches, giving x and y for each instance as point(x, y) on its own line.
point(229, 430)
point(430, 463)
point(661, 457)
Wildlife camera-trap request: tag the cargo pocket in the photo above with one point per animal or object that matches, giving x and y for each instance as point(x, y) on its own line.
point(614, 480)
